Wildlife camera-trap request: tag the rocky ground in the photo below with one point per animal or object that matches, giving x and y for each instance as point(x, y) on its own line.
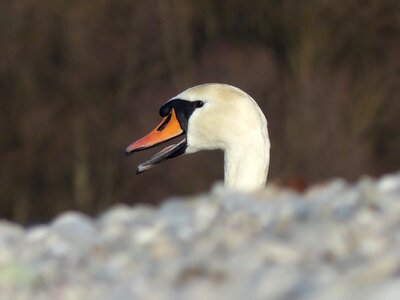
point(335, 241)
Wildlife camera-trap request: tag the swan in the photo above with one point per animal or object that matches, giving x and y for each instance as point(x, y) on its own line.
point(214, 116)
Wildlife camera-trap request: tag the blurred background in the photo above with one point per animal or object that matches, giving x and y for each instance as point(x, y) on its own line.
point(80, 80)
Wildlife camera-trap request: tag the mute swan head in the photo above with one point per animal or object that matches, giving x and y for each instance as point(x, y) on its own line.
point(214, 116)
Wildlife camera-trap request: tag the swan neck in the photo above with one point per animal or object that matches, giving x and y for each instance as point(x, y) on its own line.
point(246, 168)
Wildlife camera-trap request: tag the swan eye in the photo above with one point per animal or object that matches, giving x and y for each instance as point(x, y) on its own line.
point(198, 103)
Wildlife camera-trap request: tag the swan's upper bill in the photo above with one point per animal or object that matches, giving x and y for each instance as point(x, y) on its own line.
point(214, 116)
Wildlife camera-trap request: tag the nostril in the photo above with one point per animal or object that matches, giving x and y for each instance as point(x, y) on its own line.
point(164, 124)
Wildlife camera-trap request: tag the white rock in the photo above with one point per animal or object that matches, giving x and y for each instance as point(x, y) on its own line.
point(76, 229)
point(336, 241)
point(10, 232)
point(389, 184)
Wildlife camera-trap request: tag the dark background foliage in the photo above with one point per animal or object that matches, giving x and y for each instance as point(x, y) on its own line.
point(80, 80)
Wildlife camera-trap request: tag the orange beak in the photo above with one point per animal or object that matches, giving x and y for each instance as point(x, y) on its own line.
point(168, 129)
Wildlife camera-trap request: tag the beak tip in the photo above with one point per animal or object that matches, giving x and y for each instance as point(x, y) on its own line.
point(140, 170)
point(142, 167)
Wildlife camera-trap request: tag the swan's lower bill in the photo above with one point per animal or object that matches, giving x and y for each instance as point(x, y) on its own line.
point(168, 152)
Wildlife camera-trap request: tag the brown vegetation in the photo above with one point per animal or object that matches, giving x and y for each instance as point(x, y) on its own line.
point(79, 80)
